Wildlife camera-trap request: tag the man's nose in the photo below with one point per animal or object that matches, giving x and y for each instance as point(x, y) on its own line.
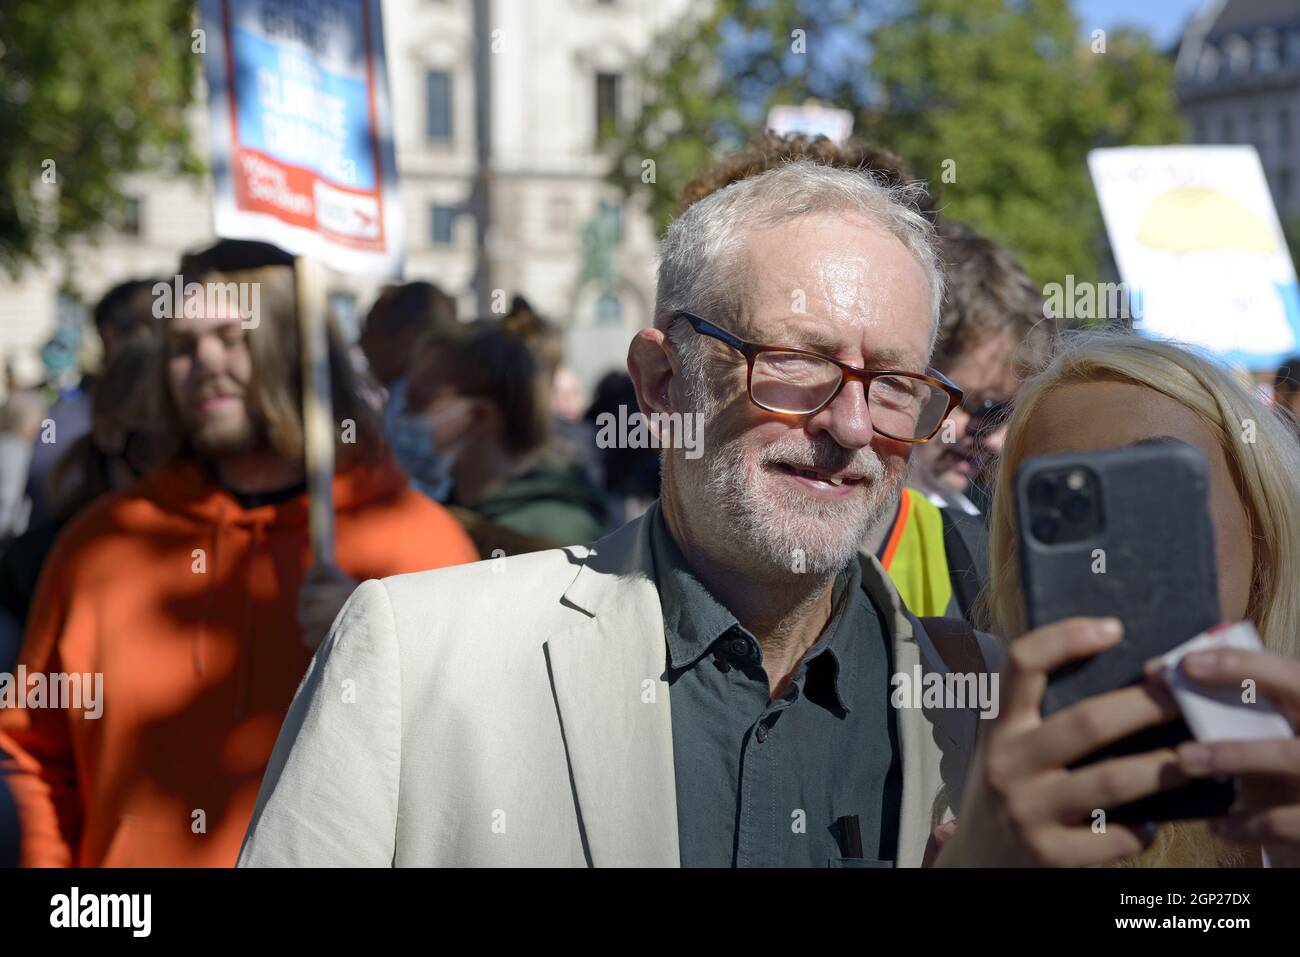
point(847, 419)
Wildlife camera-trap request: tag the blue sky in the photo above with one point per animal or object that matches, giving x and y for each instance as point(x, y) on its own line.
point(1163, 19)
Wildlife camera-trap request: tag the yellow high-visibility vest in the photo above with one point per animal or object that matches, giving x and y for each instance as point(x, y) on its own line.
point(915, 558)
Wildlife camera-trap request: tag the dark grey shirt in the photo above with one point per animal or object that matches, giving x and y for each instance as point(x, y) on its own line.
point(764, 783)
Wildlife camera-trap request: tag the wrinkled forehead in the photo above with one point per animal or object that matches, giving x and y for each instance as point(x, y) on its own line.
point(835, 280)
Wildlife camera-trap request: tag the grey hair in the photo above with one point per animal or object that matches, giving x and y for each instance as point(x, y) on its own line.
point(700, 256)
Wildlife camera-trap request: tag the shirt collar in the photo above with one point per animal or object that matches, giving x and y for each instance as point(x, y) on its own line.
point(694, 620)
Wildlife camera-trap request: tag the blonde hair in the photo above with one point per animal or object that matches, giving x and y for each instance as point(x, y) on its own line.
point(1266, 473)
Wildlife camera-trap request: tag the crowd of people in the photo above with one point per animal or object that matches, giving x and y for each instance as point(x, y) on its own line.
point(535, 648)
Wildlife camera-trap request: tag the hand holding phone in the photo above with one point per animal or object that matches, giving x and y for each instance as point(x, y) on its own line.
point(1125, 533)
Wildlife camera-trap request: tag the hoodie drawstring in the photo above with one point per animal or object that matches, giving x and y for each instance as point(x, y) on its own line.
point(213, 583)
point(243, 701)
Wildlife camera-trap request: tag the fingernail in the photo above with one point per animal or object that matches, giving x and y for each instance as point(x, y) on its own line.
point(1108, 628)
point(1194, 757)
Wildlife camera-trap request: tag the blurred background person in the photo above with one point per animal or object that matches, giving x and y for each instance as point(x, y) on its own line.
point(396, 321)
point(123, 312)
point(474, 429)
point(125, 442)
point(193, 593)
point(1110, 390)
point(631, 474)
point(570, 438)
point(992, 335)
point(20, 423)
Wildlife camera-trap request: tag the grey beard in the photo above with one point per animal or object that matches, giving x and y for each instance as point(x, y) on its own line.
point(792, 533)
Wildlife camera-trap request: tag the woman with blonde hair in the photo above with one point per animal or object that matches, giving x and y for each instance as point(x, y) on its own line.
point(1108, 390)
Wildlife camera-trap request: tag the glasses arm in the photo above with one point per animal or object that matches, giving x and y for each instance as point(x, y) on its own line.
point(706, 328)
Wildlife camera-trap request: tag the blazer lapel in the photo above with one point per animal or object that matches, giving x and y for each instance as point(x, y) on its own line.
point(607, 674)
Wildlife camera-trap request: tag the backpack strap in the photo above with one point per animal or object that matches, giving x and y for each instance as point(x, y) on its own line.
point(956, 643)
point(966, 545)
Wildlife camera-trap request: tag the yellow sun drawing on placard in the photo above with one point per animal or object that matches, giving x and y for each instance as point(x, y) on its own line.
point(1199, 219)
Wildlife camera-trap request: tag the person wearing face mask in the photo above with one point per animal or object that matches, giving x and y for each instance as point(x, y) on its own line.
point(471, 427)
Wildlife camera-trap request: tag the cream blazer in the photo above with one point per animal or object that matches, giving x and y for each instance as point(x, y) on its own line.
point(514, 712)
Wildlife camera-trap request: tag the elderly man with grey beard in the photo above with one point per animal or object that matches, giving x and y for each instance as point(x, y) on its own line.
point(710, 685)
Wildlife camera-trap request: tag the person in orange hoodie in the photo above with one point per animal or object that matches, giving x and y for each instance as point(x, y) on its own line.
point(192, 593)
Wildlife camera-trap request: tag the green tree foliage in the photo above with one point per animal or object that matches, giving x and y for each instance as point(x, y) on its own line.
point(1005, 97)
point(90, 91)
point(707, 84)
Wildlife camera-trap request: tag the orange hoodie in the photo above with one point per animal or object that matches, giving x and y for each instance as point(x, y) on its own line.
point(187, 604)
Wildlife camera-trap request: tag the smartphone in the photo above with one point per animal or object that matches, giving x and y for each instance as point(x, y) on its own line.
point(1123, 533)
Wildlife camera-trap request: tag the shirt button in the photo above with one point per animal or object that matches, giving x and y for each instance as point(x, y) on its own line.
point(761, 733)
point(740, 647)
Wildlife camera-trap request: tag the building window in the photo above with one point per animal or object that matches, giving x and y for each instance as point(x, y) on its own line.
point(1266, 52)
point(444, 225)
point(607, 99)
point(1238, 51)
point(609, 311)
point(1284, 186)
point(1293, 48)
point(1229, 130)
point(437, 88)
point(1208, 67)
point(1284, 127)
point(131, 216)
point(1252, 124)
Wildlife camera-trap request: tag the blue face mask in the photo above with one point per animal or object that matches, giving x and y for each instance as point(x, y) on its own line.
point(411, 439)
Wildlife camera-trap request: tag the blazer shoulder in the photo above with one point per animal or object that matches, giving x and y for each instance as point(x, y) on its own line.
point(493, 603)
point(537, 571)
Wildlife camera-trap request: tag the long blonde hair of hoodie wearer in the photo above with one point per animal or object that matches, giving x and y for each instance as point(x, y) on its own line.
point(1265, 471)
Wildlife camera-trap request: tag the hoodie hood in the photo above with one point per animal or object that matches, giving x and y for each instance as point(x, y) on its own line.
point(188, 488)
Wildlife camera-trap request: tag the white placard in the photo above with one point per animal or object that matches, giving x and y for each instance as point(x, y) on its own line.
point(1198, 243)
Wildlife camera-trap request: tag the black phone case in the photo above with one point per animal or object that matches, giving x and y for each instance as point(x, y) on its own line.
point(1159, 580)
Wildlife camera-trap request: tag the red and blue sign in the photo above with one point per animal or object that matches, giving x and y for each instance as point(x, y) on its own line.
point(301, 127)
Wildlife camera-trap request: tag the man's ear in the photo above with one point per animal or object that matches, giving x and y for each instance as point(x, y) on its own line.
point(652, 365)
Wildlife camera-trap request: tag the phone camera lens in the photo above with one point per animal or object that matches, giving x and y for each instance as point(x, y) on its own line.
point(1043, 490)
point(1045, 528)
point(1076, 507)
